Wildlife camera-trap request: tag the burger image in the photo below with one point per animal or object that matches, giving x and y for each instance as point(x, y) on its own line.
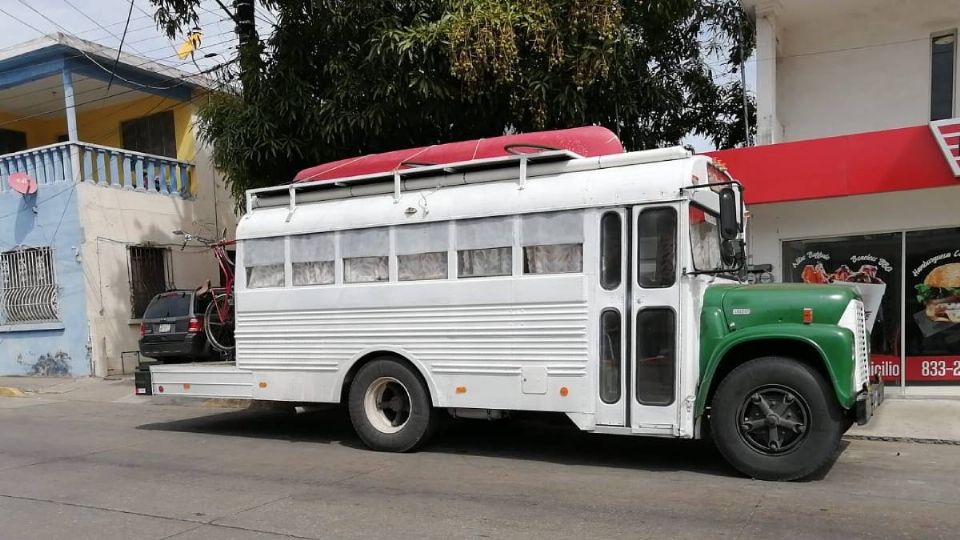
point(940, 293)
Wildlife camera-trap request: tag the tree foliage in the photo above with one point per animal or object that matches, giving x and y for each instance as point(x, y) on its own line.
point(339, 78)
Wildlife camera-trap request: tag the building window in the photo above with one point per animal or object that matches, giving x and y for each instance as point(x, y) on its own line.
point(152, 134)
point(366, 255)
point(484, 247)
point(12, 141)
point(263, 262)
point(552, 243)
point(943, 50)
point(657, 248)
point(611, 249)
point(422, 251)
point(312, 259)
point(28, 286)
point(149, 276)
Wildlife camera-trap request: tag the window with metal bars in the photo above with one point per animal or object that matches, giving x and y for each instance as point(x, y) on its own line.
point(28, 287)
point(149, 276)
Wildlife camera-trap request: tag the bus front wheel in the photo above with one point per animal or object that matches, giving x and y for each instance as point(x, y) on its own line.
point(390, 406)
point(776, 418)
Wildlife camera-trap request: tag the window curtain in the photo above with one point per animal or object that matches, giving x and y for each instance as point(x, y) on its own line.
point(263, 260)
point(485, 262)
point(422, 251)
point(365, 269)
point(312, 257)
point(553, 242)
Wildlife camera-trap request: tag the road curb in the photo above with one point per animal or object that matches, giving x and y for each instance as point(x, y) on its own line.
point(915, 440)
point(10, 391)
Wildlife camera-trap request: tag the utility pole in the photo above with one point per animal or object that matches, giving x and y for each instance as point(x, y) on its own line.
point(244, 16)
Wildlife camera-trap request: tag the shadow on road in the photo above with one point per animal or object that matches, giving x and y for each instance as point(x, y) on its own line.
point(529, 436)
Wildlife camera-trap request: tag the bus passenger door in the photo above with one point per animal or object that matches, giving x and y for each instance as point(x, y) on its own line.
point(613, 320)
point(654, 313)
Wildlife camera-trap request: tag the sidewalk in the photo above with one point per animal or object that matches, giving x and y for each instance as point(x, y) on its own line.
point(901, 419)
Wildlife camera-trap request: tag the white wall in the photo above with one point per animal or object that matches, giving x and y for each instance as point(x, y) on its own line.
point(770, 224)
point(863, 65)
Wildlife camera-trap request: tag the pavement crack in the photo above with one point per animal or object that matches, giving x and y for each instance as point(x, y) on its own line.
point(70, 457)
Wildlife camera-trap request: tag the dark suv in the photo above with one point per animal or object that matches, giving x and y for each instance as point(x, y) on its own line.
point(172, 328)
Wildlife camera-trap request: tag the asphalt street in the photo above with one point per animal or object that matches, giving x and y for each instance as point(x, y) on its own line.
point(81, 470)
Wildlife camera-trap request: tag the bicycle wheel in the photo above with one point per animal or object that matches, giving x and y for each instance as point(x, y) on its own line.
point(219, 331)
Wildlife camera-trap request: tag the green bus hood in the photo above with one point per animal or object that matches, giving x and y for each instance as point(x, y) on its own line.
point(735, 315)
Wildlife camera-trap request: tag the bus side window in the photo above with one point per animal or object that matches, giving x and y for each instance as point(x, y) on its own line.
point(422, 251)
point(552, 242)
point(610, 250)
point(263, 262)
point(312, 259)
point(657, 248)
point(366, 255)
point(610, 364)
point(483, 247)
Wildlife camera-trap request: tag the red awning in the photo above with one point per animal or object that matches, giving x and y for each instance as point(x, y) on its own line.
point(586, 141)
point(873, 162)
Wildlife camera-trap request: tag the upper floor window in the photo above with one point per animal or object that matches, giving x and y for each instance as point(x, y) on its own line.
point(552, 242)
point(28, 286)
point(152, 134)
point(12, 141)
point(943, 50)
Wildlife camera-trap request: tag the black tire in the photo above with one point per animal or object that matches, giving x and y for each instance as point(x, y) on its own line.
point(386, 428)
point(776, 452)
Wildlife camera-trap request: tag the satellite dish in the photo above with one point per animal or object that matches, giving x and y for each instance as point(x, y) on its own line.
point(22, 183)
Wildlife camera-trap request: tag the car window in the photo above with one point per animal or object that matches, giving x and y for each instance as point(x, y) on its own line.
point(168, 305)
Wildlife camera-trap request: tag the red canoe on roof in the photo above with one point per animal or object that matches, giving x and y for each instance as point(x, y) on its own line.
point(586, 141)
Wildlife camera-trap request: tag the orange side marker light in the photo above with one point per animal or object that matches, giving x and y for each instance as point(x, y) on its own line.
point(461, 389)
point(564, 391)
point(807, 315)
point(262, 384)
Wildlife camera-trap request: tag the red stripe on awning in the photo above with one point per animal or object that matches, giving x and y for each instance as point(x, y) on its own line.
point(874, 162)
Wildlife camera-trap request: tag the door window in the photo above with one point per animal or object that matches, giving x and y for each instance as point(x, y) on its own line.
point(610, 251)
point(656, 356)
point(610, 363)
point(657, 248)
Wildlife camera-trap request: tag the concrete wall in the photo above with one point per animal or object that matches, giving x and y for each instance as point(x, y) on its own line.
point(770, 224)
point(49, 218)
point(865, 69)
point(113, 220)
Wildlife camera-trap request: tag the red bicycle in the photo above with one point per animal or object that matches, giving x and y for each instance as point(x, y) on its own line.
point(218, 317)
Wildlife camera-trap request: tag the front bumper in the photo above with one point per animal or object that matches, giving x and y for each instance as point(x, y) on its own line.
point(869, 400)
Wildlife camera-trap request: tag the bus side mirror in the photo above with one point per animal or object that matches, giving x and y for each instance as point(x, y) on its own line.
point(729, 223)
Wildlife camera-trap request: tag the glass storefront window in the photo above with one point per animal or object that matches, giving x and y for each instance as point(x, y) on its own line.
point(871, 263)
point(932, 303)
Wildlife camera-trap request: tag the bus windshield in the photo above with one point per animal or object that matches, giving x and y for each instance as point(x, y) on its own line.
point(705, 239)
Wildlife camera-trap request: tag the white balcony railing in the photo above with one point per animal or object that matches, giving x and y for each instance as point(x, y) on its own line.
point(101, 165)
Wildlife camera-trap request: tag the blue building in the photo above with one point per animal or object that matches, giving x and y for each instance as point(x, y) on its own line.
point(117, 168)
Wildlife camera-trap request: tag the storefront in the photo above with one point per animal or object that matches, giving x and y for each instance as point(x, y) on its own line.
point(880, 211)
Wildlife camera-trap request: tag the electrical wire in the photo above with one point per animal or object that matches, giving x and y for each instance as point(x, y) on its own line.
point(116, 62)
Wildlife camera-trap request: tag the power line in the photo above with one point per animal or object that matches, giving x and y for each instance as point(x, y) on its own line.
point(116, 62)
point(84, 14)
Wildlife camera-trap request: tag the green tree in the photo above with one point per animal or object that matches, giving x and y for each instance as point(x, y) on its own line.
point(339, 78)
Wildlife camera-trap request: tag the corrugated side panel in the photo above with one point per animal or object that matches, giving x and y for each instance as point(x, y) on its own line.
point(464, 342)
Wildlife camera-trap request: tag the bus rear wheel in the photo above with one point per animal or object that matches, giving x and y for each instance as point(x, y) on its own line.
point(776, 418)
point(390, 406)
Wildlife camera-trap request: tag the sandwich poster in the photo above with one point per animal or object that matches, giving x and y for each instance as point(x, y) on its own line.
point(932, 305)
